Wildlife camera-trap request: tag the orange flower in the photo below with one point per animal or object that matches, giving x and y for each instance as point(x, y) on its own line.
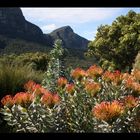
point(131, 101)
point(78, 73)
point(43, 90)
point(62, 82)
point(70, 88)
point(136, 74)
point(47, 98)
point(29, 85)
point(115, 77)
point(108, 76)
point(23, 98)
point(126, 76)
point(92, 88)
point(56, 98)
point(131, 84)
point(7, 100)
point(107, 111)
point(94, 71)
point(32, 87)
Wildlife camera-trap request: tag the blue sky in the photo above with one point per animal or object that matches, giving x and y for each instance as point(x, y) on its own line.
point(84, 21)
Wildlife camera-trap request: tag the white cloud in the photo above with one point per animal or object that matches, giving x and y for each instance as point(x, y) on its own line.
point(48, 28)
point(70, 15)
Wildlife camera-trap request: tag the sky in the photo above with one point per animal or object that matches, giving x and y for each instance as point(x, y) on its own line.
point(84, 21)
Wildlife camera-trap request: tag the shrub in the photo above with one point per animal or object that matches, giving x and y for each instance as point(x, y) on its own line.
point(93, 100)
point(13, 77)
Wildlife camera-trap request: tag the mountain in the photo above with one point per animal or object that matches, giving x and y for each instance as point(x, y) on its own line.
point(14, 25)
point(69, 38)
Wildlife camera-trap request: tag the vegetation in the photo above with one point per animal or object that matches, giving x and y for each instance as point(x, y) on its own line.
point(12, 78)
point(18, 46)
point(56, 91)
point(93, 100)
point(136, 64)
point(117, 45)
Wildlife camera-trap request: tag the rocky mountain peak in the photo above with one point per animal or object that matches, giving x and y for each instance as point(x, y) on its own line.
point(14, 25)
point(69, 38)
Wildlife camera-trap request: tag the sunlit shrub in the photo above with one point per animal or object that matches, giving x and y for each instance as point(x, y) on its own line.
point(94, 100)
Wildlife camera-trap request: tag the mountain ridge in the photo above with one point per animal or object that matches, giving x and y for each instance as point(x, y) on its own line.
point(14, 25)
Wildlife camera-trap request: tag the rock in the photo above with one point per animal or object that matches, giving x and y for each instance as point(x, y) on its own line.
point(69, 38)
point(13, 24)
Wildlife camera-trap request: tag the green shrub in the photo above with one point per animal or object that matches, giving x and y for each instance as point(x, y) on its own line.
point(94, 100)
point(13, 77)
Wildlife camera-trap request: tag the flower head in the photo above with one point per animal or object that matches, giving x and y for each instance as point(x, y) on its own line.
point(62, 82)
point(92, 88)
point(78, 73)
point(108, 110)
point(56, 98)
point(94, 71)
point(115, 77)
point(23, 98)
point(70, 88)
point(47, 99)
point(136, 74)
point(7, 100)
point(131, 101)
point(32, 87)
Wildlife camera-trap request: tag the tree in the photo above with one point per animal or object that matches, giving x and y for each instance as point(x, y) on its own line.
point(116, 45)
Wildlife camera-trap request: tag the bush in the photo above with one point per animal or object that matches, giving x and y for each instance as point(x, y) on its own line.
point(93, 100)
point(96, 101)
point(12, 78)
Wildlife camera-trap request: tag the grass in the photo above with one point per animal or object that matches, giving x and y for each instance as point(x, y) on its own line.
point(13, 77)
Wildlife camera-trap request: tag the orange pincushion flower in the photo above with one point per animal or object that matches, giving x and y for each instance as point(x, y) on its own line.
point(108, 76)
point(70, 88)
point(7, 100)
point(32, 87)
point(47, 98)
point(107, 111)
point(94, 71)
point(62, 82)
point(78, 73)
point(131, 84)
point(131, 101)
point(56, 98)
point(115, 77)
point(136, 74)
point(29, 85)
point(43, 90)
point(23, 98)
point(92, 88)
point(126, 76)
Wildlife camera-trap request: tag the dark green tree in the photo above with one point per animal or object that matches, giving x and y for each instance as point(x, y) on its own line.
point(116, 46)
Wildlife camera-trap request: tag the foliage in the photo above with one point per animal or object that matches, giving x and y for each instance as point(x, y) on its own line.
point(37, 61)
point(30, 111)
point(136, 64)
point(117, 45)
point(18, 46)
point(13, 77)
point(92, 100)
point(96, 101)
point(54, 66)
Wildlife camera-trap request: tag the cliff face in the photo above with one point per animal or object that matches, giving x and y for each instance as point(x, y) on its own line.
point(13, 24)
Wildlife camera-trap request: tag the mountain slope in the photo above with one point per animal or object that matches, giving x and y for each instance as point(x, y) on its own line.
point(69, 38)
